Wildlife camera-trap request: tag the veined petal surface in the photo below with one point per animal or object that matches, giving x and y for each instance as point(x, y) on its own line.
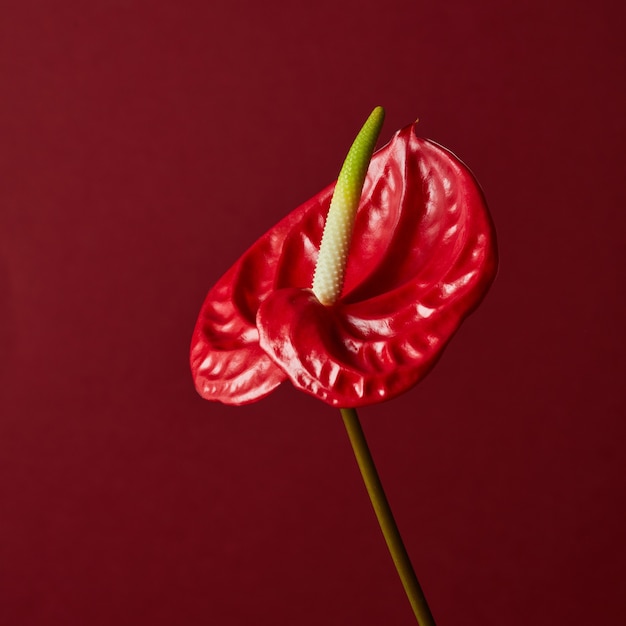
point(423, 255)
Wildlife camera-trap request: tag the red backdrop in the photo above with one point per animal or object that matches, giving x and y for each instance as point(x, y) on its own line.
point(143, 147)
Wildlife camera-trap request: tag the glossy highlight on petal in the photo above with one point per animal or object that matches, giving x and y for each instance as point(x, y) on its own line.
point(422, 256)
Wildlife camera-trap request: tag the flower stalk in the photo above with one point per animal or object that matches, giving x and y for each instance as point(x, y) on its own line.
point(386, 520)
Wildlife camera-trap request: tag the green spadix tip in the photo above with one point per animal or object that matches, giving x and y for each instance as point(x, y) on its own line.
point(331, 263)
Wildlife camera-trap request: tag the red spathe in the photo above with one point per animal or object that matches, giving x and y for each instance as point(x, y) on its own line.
point(422, 256)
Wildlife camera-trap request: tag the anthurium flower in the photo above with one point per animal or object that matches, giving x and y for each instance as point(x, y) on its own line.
point(421, 257)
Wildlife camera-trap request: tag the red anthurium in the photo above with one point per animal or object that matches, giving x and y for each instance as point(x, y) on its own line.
point(422, 256)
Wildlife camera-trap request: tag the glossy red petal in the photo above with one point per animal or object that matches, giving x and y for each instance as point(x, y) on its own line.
point(429, 257)
point(422, 256)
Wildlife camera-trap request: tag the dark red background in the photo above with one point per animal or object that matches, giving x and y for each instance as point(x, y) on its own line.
point(143, 147)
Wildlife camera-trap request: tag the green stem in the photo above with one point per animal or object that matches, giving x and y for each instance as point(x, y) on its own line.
point(385, 519)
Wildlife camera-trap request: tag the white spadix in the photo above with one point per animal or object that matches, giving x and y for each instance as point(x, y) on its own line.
point(331, 263)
